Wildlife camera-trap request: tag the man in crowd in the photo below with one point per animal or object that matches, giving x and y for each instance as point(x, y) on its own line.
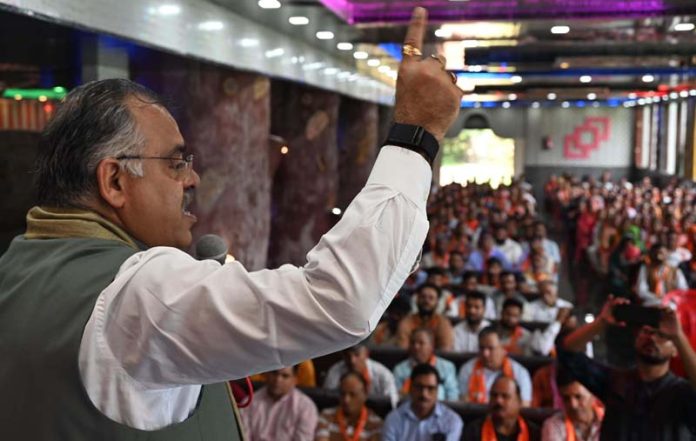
point(551, 249)
point(427, 298)
point(582, 417)
point(477, 375)
point(656, 278)
point(504, 421)
point(352, 419)
point(520, 341)
point(379, 379)
point(423, 417)
point(510, 248)
point(422, 351)
point(647, 402)
point(486, 250)
point(457, 267)
point(545, 309)
point(466, 332)
point(508, 290)
point(279, 411)
point(385, 332)
point(101, 259)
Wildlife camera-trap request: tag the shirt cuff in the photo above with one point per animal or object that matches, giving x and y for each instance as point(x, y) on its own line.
point(403, 170)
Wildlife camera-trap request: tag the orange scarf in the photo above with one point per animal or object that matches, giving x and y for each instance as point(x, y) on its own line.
point(432, 323)
point(477, 381)
point(406, 388)
point(570, 429)
point(512, 344)
point(358, 427)
point(488, 431)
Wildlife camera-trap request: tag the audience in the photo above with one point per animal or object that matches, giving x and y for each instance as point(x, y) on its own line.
point(279, 411)
point(466, 332)
point(656, 278)
point(423, 417)
point(508, 290)
point(519, 341)
point(422, 351)
point(379, 379)
point(351, 420)
point(427, 297)
point(385, 333)
point(504, 421)
point(582, 418)
point(477, 375)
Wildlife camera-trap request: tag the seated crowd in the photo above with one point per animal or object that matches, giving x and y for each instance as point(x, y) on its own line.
point(478, 345)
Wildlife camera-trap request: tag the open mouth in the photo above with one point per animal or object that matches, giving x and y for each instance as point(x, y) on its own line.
point(186, 202)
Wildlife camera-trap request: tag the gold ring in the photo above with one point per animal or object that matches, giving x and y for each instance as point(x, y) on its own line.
point(411, 50)
point(438, 59)
point(454, 77)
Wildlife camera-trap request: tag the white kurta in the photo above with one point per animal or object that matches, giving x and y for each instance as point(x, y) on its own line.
point(168, 323)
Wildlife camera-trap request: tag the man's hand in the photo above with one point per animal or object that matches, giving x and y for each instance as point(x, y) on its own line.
point(669, 324)
point(607, 314)
point(425, 93)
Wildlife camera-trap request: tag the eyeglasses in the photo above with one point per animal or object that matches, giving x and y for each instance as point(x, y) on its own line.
point(182, 166)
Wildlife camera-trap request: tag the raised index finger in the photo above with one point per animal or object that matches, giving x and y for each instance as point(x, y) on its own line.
point(416, 31)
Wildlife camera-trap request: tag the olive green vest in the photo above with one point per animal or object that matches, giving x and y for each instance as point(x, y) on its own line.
point(48, 289)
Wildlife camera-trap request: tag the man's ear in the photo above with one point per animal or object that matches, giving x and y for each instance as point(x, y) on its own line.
point(110, 181)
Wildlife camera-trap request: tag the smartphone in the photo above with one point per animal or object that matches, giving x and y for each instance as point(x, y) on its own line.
point(638, 315)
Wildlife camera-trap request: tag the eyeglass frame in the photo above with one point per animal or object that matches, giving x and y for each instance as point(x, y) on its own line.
point(186, 160)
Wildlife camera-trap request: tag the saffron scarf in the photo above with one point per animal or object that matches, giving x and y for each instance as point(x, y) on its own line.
point(488, 431)
point(477, 381)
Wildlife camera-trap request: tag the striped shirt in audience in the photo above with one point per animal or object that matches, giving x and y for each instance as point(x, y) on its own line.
point(330, 430)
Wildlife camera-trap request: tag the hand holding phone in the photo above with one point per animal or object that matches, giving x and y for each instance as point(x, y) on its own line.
point(638, 315)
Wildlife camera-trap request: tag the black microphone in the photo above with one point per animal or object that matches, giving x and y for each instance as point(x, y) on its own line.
point(213, 247)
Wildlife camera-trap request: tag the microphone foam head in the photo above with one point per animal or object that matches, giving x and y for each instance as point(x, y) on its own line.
point(211, 246)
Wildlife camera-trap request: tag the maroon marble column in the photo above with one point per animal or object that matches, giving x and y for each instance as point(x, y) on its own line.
point(306, 180)
point(358, 143)
point(224, 117)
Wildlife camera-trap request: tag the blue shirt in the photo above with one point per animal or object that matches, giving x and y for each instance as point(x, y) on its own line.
point(447, 390)
point(403, 425)
point(477, 260)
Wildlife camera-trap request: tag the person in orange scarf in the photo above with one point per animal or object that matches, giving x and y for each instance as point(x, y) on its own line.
point(427, 298)
point(352, 420)
point(503, 421)
point(477, 375)
point(656, 278)
point(582, 419)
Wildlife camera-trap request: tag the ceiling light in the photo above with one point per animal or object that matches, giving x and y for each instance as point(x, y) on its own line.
point(512, 96)
point(565, 65)
point(269, 4)
point(674, 95)
point(516, 79)
point(325, 35)
point(665, 97)
point(560, 29)
point(585, 79)
point(684, 94)
point(551, 96)
point(443, 33)
point(506, 105)
point(167, 10)
point(43, 98)
point(384, 69)
point(360, 55)
point(648, 78)
point(213, 25)
point(331, 71)
point(373, 62)
point(273, 53)
point(313, 66)
point(632, 96)
point(684, 27)
point(474, 68)
point(337, 211)
point(692, 92)
point(591, 96)
point(248, 42)
point(298, 20)
point(536, 105)
point(284, 150)
point(344, 46)
point(641, 101)
point(565, 104)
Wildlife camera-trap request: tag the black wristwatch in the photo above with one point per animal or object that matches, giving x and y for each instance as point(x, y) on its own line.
point(414, 138)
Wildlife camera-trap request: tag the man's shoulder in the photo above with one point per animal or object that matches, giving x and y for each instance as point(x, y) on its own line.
point(444, 364)
point(447, 413)
point(303, 399)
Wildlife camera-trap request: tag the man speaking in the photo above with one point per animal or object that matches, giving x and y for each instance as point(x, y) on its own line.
point(109, 332)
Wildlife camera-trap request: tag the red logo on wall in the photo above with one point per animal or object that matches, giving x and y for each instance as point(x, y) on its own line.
point(586, 138)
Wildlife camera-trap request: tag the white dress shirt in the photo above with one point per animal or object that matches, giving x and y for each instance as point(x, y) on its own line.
point(168, 323)
point(539, 311)
point(466, 340)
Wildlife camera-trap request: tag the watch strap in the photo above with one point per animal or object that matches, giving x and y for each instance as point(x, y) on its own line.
point(414, 138)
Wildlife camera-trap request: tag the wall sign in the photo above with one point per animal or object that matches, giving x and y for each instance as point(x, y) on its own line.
point(586, 138)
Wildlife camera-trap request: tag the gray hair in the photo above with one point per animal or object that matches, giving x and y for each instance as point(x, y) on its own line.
point(92, 124)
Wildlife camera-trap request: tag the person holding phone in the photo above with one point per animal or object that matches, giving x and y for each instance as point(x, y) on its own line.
point(647, 402)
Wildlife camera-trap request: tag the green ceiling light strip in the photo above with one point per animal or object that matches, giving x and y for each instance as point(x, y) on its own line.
point(56, 93)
